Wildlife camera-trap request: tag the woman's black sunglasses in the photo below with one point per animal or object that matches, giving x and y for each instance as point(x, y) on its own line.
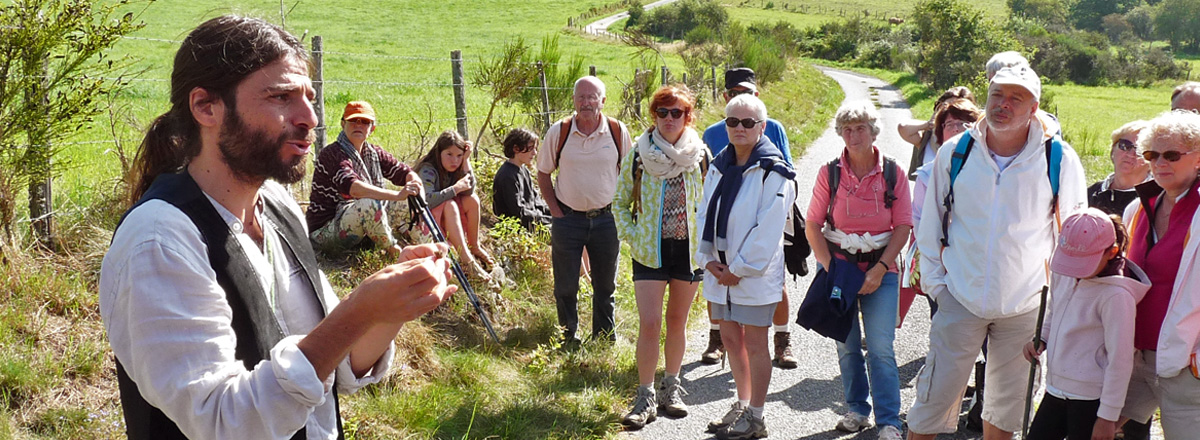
point(674, 112)
point(1125, 145)
point(1170, 156)
point(748, 122)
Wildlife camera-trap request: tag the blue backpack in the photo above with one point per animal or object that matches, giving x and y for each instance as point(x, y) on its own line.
point(1054, 152)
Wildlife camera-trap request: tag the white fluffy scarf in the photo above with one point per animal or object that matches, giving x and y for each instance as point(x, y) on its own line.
point(664, 160)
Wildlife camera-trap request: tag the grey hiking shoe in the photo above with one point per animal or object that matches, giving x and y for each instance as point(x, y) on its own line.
point(745, 428)
point(853, 422)
point(735, 411)
point(783, 351)
point(670, 397)
point(643, 410)
point(716, 349)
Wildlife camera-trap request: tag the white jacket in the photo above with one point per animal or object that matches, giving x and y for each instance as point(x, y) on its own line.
point(755, 237)
point(1002, 232)
point(1089, 337)
point(1180, 333)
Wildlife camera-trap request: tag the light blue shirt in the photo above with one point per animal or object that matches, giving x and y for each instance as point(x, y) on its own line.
point(717, 138)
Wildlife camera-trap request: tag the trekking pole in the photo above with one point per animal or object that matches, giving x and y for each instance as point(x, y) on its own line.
point(436, 231)
point(1033, 364)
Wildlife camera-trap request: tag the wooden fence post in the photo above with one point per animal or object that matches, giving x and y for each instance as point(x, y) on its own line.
point(714, 82)
point(41, 200)
point(318, 57)
point(592, 70)
point(460, 94)
point(545, 97)
point(664, 75)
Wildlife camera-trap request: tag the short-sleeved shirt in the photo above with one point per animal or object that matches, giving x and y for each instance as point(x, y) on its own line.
point(717, 138)
point(588, 166)
point(859, 207)
point(335, 171)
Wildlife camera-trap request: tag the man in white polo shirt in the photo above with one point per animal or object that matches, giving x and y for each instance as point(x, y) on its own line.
point(586, 148)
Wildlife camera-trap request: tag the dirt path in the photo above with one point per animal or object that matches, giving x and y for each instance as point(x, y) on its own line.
point(806, 403)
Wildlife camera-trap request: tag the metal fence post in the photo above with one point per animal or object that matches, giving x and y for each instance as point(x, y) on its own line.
point(545, 97)
point(318, 57)
point(460, 93)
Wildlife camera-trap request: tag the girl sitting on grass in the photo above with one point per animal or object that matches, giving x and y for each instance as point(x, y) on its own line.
point(1089, 330)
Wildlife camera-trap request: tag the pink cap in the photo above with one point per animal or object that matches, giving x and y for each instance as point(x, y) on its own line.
point(1085, 236)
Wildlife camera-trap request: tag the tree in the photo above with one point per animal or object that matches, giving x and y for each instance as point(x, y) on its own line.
point(1116, 27)
point(1088, 14)
point(1178, 21)
point(1050, 12)
point(1141, 19)
point(54, 72)
point(955, 41)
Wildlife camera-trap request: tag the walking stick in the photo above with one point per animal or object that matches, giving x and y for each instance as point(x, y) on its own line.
point(438, 236)
point(1037, 345)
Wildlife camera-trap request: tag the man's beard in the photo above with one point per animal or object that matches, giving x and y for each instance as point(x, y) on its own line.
point(252, 156)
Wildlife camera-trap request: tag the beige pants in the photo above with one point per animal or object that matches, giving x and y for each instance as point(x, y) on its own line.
point(1180, 405)
point(954, 340)
point(1145, 393)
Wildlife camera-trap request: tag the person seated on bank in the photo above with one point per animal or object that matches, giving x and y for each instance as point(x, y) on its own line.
point(349, 200)
point(513, 192)
point(450, 191)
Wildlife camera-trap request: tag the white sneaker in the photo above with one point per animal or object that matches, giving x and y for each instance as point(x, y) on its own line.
point(853, 422)
point(889, 432)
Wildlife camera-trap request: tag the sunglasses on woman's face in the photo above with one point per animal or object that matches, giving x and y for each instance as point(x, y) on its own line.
point(674, 112)
point(1170, 156)
point(1125, 145)
point(747, 123)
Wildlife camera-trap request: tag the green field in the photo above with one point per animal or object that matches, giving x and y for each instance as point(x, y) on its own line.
point(994, 9)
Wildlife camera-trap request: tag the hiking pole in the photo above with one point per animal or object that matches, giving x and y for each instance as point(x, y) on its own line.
point(1033, 364)
point(436, 231)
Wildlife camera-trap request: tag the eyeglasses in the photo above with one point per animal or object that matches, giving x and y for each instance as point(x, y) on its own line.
point(1170, 156)
point(747, 123)
point(526, 148)
point(952, 124)
point(674, 112)
point(1126, 145)
point(360, 121)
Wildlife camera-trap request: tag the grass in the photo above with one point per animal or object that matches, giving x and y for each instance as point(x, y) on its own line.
point(57, 375)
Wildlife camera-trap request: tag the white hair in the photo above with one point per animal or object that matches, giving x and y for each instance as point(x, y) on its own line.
point(592, 79)
point(858, 112)
point(750, 102)
point(1179, 128)
point(1001, 60)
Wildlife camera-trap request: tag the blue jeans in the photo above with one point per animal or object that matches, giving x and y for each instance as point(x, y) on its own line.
point(883, 386)
point(569, 236)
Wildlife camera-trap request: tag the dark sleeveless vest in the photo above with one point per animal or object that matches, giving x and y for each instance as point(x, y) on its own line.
point(254, 322)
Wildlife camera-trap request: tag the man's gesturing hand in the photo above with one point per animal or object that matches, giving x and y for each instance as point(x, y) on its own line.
point(406, 290)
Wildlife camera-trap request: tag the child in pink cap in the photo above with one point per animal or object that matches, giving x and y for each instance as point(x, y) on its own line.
point(1088, 330)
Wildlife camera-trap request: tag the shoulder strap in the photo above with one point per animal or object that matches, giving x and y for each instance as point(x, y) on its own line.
point(962, 150)
point(834, 173)
point(614, 130)
point(1054, 152)
point(636, 193)
point(564, 132)
point(889, 180)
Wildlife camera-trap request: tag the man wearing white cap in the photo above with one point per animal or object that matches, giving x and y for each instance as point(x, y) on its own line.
point(984, 253)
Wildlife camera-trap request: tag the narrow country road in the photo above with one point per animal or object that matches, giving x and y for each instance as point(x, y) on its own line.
point(806, 403)
point(600, 27)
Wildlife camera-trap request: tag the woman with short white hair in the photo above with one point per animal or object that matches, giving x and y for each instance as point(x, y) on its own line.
point(864, 224)
point(747, 195)
point(1163, 229)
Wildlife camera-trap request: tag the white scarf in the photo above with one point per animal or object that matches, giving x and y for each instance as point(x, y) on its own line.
point(664, 160)
point(857, 243)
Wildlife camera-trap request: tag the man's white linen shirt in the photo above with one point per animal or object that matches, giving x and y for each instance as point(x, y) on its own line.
point(170, 325)
point(1002, 231)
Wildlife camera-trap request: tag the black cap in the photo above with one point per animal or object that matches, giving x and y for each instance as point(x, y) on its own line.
point(740, 77)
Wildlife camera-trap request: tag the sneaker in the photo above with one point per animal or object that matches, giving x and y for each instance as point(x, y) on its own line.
point(716, 349)
point(670, 397)
point(783, 351)
point(643, 410)
point(735, 411)
point(890, 432)
point(744, 428)
point(853, 422)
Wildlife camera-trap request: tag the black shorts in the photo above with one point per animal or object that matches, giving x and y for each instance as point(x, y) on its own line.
point(676, 264)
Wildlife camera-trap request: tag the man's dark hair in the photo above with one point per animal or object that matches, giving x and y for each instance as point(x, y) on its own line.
point(216, 57)
point(517, 138)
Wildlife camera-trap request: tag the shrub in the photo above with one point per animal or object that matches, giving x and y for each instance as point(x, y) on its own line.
point(677, 19)
point(955, 41)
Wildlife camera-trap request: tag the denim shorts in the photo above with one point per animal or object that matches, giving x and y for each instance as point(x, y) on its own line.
point(676, 264)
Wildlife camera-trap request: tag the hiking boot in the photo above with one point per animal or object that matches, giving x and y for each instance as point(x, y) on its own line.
point(716, 349)
point(783, 351)
point(735, 411)
point(889, 432)
point(643, 410)
point(746, 427)
point(670, 397)
point(853, 422)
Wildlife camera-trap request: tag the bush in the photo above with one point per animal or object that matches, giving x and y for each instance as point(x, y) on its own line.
point(955, 41)
point(677, 19)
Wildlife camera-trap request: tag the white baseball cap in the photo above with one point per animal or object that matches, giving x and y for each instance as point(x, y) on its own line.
point(1023, 76)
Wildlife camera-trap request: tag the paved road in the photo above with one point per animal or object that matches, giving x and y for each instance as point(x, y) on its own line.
point(600, 27)
point(806, 403)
